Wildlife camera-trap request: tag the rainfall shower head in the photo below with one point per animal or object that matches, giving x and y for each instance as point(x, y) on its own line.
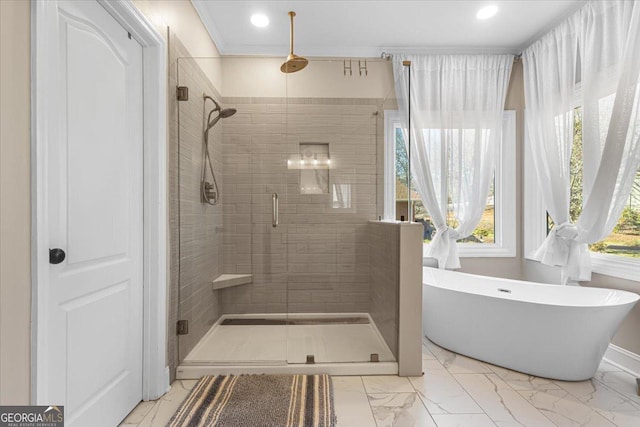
point(294, 62)
point(223, 113)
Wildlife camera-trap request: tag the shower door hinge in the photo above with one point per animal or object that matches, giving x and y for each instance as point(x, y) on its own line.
point(182, 327)
point(182, 93)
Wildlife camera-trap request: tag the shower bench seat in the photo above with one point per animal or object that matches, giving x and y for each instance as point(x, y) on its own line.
point(229, 280)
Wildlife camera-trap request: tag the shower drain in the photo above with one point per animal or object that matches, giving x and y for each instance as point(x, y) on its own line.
point(300, 321)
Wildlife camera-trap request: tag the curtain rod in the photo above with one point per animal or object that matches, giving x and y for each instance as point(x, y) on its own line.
point(389, 56)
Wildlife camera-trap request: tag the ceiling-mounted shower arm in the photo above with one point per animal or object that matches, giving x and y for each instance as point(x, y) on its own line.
point(291, 15)
point(294, 62)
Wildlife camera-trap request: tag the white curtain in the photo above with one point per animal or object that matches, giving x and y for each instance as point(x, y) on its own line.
point(608, 37)
point(550, 74)
point(457, 103)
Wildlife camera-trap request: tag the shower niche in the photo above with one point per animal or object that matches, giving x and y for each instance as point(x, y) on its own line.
point(314, 163)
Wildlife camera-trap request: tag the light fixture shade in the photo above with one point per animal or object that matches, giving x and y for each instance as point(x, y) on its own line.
point(259, 20)
point(487, 12)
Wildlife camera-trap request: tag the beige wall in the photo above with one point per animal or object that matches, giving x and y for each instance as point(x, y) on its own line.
point(15, 208)
point(323, 78)
point(185, 23)
point(628, 336)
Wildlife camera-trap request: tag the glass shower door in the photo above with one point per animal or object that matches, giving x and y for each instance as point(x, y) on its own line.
point(332, 177)
point(269, 200)
point(231, 243)
point(197, 226)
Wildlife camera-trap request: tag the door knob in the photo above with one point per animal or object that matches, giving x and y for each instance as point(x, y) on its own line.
point(56, 256)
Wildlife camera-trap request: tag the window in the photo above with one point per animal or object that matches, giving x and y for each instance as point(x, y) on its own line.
point(625, 239)
point(495, 234)
point(618, 254)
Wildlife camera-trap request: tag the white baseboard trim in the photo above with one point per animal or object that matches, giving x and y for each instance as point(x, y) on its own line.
point(623, 359)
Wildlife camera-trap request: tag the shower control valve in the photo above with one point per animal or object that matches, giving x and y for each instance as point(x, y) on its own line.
point(210, 192)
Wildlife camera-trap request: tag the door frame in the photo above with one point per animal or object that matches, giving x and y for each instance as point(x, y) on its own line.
point(155, 371)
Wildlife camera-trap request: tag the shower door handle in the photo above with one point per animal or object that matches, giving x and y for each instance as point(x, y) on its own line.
point(274, 212)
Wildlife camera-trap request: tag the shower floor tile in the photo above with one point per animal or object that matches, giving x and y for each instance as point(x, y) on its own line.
point(265, 343)
point(281, 344)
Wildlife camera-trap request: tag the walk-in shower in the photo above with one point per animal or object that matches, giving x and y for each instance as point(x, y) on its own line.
point(210, 190)
point(300, 296)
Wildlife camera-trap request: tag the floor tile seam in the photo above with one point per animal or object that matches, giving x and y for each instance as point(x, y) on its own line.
point(509, 387)
point(366, 395)
point(545, 411)
point(155, 401)
point(470, 395)
point(447, 415)
point(457, 413)
point(622, 395)
point(402, 392)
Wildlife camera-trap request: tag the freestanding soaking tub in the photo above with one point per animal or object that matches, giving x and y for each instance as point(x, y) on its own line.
point(550, 331)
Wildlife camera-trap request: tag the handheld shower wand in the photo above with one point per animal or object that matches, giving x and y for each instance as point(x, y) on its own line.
point(209, 190)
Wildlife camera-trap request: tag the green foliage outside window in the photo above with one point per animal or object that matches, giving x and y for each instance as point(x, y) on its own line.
point(575, 174)
point(625, 238)
point(629, 221)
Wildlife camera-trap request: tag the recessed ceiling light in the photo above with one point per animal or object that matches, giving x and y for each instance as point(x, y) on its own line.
point(259, 20)
point(487, 12)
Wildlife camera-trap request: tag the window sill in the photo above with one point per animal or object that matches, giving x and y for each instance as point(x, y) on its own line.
point(485, 250)
point(488, 251)
point(611, 265)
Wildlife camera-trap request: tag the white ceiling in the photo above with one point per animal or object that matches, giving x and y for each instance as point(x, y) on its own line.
point(359, 28)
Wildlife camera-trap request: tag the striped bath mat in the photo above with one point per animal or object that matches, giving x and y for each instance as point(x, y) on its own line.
point(258, 401)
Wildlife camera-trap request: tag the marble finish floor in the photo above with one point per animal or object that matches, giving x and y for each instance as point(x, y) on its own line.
point(457, 391)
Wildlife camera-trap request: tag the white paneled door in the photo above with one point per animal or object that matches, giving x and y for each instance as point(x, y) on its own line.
point(95, 205)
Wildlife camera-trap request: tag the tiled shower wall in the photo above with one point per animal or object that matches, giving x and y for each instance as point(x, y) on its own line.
point(321, 250)
point(195, 228)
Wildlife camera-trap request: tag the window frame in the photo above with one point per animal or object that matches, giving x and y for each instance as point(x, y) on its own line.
point(535, 214)
point(504, 192)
